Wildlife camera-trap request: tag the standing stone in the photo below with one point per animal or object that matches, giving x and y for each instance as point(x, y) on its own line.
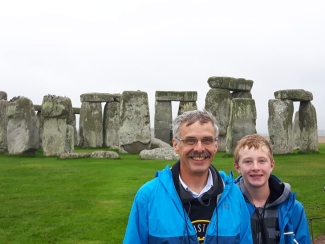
point(111, 124)
point(3, 122)
point(91, 125)
point(217, 102)
point(163, 111)
point(40, 126)
point(242, 121)
point(135, 133)
point(163, 121)
point(3, 96)
point(308, 128)
point(22, 132)
point(58, 132)
point(76, 133)
point(280, 125)
point(186, 106)
point(296, 132)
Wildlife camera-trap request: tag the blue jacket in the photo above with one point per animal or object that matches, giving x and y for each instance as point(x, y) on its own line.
point(292, 219)
point(157, 215)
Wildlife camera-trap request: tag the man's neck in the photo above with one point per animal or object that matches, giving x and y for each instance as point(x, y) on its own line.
point(196, 182)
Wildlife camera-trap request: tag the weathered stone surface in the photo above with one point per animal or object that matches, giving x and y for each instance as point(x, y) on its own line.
point(308, 128)
point(186, 106)
point(57, 107)
point(242, 94)
point(100, 97)
point(296, 131)
point(159, 154)
point(74, 155)
point(280, 125)
point(242, 121)
point(57, 125)
point(75, 132)
point(135, 134)
point(3, 95)
point(104, 154)
point(157, 143)
point(217, 102)
point(91, 125)
point(111, 124)
point(3, 126)
point(22, 132)
point(57, 137)
point(184, 96)
point(229, 83)
point(40, 126)
point(163, 121)
point(294, 95)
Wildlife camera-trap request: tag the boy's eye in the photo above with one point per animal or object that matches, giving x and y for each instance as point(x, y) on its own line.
point(247, 161)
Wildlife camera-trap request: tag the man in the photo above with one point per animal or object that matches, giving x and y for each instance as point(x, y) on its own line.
point(276, 217)
point(191, 202)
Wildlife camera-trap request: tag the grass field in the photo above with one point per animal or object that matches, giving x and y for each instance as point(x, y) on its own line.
point(50, 200)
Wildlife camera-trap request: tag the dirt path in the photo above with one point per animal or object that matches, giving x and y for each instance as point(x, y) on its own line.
point(320, 240)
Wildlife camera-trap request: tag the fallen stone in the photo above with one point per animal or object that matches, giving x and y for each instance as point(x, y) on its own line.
point(159, 154)
point(74, 155)
point(104, 154)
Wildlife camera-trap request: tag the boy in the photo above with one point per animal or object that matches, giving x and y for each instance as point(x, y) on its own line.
point(276, 216)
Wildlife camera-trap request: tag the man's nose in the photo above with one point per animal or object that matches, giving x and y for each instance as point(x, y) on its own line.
point(199, 146)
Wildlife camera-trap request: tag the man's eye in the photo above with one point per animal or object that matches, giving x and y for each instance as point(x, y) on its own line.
point(247, 162)
point(207, 140)
point(190, 141)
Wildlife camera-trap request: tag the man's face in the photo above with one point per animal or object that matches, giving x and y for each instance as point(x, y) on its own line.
point(196, 159)
point(255, 166)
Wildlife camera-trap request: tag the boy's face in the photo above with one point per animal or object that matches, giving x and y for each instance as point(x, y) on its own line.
point(255, 166)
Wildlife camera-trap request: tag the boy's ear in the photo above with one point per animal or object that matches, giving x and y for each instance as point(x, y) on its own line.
point(236, 166)
point(272, 165)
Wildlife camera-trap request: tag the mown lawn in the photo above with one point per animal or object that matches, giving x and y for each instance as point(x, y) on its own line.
point(50, 200)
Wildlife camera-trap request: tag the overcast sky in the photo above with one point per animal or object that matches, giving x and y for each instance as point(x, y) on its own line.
point(67, 48)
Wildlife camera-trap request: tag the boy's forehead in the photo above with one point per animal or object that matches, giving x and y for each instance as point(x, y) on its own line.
point(262, 148)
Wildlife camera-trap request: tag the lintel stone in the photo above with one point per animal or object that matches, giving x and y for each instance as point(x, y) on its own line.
point(76, 110)
point(230, 83)
point(100, 97)
point(294, 95)
point(38, 108)
point(182, 96)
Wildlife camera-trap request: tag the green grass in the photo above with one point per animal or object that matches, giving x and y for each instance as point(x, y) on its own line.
point(50, 200)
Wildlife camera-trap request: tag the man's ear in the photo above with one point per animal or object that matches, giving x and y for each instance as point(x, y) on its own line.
point(175, 145)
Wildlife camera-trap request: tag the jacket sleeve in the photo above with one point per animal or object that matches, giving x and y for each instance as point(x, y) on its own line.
point(245, 232)
point(300, 224)
point(137, 228)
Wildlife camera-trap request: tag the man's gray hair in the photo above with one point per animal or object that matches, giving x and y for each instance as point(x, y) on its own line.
point(190, 117)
